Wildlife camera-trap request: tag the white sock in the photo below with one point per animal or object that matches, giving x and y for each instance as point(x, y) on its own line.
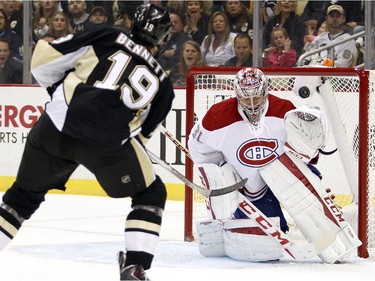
point(4, 241)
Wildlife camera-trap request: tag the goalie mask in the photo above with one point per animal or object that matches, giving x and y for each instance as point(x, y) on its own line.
point(151, 25)
point(250, 85)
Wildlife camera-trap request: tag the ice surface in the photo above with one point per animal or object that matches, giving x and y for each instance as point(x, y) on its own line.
point(77, 238)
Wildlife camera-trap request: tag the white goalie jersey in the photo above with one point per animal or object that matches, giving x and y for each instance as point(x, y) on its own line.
point(225, 134)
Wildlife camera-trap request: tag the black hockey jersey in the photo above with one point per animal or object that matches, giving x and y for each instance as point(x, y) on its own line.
point(106, 87)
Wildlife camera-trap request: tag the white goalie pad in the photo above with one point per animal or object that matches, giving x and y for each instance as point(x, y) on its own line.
point(307, 132)
point(238, 239)
point(210, 238)
point(245, 241)
point(217, 177)
point(301, 193)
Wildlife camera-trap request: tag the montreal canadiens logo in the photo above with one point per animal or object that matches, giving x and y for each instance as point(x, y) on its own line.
point(257, 153)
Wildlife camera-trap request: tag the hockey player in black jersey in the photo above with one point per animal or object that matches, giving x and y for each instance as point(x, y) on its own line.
point(108, 95)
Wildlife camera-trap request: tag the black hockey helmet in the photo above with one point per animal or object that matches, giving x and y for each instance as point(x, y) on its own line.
point(151, 25)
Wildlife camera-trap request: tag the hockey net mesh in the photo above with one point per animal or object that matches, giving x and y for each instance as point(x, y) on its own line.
point(340, 172)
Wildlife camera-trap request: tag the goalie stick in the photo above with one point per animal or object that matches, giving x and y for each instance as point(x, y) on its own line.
point(197, 188)
point(296, 251)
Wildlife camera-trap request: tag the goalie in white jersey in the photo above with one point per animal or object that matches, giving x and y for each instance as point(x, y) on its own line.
point(239, 137)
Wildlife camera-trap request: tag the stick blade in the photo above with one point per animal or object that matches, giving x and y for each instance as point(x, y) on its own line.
point(228, 189)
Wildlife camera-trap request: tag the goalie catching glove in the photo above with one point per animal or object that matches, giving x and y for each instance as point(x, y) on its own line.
point(307, 132)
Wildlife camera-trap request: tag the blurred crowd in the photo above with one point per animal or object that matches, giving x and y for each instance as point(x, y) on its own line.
point(212, 33)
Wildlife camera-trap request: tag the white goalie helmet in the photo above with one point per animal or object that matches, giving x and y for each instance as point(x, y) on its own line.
point(250, 85)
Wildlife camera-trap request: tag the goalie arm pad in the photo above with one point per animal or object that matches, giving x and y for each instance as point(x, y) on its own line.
point(307, 132)
point(217, 177)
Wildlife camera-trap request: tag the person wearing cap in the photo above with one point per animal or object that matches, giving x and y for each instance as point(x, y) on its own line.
point(344, 54)
point(98, 16)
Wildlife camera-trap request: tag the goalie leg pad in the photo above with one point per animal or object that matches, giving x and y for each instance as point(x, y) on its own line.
point(217, 177)
point(302, 195)
point(245, 241)
point(210, 237)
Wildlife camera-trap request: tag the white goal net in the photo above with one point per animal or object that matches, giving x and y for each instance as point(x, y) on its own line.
point(346, 95)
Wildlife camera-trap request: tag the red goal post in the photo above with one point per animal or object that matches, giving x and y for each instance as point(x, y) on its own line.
point(346, 98)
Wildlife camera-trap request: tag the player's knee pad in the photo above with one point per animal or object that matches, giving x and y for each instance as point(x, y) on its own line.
point(210, 238)
point(154, 195)
point(244, 240)
point(216, 177)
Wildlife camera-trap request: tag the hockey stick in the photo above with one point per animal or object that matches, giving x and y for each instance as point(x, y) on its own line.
point(296, 251)
point(172, 138)
point(197, 188)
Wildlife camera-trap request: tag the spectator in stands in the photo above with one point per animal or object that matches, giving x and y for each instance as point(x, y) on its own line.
point(14, 17)
point(217, 46)
point(177, 6)
point(281, 53)
point(345, 54)
point(196, 20)
point(354, 14)
point(172, 50)
point(60, 26)
point(314, 15)
point(315, 11)
point(79, 19)
point(108, 8)
point(98, 16)
point(309, 38)
point(243, 49)
point(191, 56)
point(10, 36)
point(287, 18)
point(127, 11)
point(45, 9)
point(10, 67)
point(322, 28)
point(239, 18)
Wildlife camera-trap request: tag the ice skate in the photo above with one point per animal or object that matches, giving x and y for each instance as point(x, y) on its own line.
point(131, 272)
